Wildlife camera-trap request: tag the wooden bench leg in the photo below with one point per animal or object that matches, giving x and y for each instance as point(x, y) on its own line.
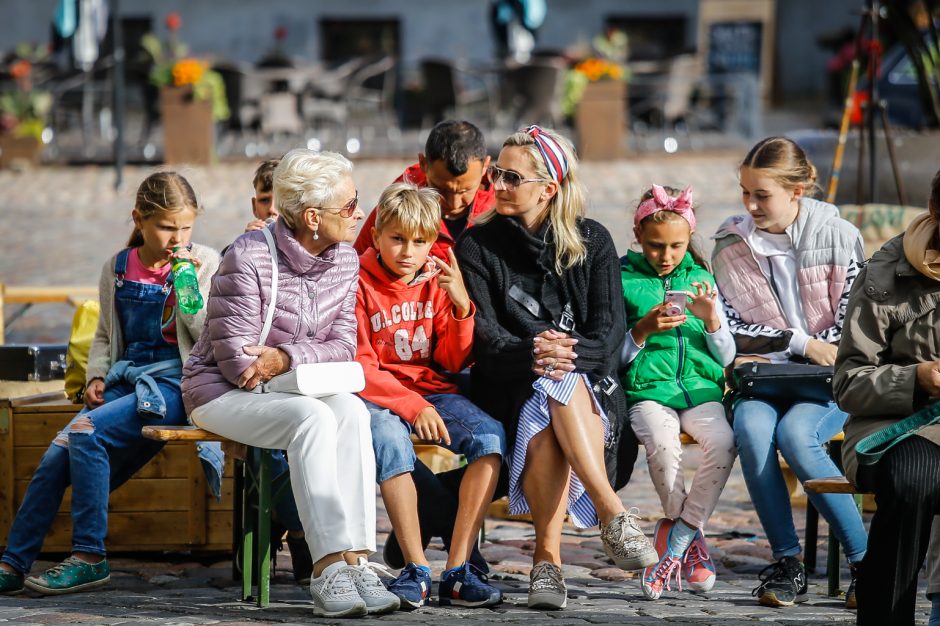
point(812, 537)
point(248, 524)
point(238, 524)
point(832, 564)
point(264, 528)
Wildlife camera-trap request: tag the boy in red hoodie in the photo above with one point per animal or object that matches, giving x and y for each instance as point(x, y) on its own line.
point(415, 322)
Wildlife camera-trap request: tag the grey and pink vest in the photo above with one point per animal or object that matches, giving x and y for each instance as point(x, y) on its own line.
point(826, 246)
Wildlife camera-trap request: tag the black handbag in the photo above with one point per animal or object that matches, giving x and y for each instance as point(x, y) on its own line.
point(784, 382)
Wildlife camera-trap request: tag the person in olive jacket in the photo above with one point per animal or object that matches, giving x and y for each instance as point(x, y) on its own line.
point(887, 367)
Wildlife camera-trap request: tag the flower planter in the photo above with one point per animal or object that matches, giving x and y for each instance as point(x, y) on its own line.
point(188, 128)
point(18, 150)
point(600, 120)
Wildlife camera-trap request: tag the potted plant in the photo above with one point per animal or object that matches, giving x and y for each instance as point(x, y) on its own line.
point(192, 98)
point(595, 96)
point(23, 111)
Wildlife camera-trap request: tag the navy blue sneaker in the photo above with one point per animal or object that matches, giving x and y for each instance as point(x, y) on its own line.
point(413, 586)
point(467, 586)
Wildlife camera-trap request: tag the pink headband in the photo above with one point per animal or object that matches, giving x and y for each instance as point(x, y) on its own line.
point(662, 201)
point(551, 152)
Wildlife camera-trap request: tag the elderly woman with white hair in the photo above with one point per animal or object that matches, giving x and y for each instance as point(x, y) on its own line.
point(314, 322)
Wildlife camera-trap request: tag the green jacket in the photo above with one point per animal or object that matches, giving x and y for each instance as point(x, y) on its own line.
point(675, 368)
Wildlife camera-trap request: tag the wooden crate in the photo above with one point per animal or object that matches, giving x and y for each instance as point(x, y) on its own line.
point(166, 506)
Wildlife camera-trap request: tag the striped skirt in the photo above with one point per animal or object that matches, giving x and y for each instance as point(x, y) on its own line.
point(532, 420)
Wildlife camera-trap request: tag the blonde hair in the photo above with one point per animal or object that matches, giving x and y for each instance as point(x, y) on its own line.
point(566, 207)
point(159, 194)
point(785, 162)
point(417, 210)
point(306, 178)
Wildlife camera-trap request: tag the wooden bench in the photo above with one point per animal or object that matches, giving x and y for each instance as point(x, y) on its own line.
point(832, 484)
point(255, 492)
point(27, 296)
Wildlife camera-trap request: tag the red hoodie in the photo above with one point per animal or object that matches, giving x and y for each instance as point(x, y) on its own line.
point(484, 200)
point(407, 337)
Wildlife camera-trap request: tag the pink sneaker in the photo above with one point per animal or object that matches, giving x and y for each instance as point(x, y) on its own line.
point(698, 566)
point(657, 578)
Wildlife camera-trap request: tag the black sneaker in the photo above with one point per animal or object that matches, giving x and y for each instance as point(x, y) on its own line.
point(851, 602)
point(782, 583)
point(300, 559)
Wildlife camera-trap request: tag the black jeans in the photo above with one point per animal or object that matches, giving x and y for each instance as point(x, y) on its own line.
point(906, 484)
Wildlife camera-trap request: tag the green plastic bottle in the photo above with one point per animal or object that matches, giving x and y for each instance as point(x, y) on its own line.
point(186, 284)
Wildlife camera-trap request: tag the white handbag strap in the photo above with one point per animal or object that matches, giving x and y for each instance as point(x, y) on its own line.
point(269, 317)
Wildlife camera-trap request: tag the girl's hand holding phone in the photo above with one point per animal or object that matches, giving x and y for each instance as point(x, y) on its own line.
point(702, 305)
point(656, 321)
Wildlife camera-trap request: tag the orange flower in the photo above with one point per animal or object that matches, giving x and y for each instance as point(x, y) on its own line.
point(21, 68)
point(188, 72)
point(598, 69)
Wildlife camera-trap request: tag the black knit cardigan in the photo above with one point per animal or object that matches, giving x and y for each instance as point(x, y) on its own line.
point(501, 253)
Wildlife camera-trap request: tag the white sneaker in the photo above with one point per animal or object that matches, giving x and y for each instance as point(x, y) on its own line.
point(334, 593)
point(378, 599)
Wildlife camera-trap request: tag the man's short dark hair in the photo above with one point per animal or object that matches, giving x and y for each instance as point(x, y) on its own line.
point(264, 176)
point(456, 142)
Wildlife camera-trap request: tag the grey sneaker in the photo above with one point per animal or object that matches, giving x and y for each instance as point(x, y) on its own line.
point(378, 599)
point(335, 595)
point(547, 589)
point(626, 544)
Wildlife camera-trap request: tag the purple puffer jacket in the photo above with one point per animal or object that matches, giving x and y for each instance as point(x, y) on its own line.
point(315, 319)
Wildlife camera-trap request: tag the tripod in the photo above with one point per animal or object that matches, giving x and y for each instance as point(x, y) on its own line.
point(873, 110)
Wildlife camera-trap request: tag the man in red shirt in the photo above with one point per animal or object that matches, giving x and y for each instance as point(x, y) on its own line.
point(454, 162)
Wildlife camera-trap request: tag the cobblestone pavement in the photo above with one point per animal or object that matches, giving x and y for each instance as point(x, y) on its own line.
point(61, 223)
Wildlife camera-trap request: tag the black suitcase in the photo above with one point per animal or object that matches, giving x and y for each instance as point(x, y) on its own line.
point(33, 362)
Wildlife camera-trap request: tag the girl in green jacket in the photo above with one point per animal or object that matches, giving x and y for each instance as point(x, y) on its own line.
point(674, 381)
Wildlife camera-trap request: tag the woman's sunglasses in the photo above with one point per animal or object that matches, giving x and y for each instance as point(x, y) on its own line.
point(346, 210)
point(510, 180)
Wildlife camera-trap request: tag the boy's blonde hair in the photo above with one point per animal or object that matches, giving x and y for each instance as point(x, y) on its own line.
point(162, 193)
point(416, 210)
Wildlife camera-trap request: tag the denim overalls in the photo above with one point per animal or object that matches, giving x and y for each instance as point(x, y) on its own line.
point(141, 389)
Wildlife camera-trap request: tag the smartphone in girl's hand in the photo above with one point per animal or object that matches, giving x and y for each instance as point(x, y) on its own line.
point(675, 302)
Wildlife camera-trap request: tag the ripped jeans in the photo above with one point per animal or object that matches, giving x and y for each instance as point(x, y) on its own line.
point(95, 460)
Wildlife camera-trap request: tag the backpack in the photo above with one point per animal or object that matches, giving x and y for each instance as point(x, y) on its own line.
point(84, 323)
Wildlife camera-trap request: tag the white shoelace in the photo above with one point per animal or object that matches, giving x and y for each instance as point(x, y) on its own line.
point(367, 574)
point(337, 585)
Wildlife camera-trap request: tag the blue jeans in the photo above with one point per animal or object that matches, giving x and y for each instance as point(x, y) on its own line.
point(473, 433)
point(799, 432)
point(934, 610)
point(95, 463)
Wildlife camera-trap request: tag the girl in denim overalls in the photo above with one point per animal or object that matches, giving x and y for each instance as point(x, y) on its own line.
point(133, 380)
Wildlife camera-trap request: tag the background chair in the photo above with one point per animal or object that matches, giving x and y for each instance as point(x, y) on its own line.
point(531, 93)
point(447, 93)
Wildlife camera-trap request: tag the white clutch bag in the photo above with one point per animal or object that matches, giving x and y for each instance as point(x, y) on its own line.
point(318, 379)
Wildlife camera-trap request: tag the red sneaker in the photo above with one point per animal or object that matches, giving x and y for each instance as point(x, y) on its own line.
point(698, 566)
point(657, 578)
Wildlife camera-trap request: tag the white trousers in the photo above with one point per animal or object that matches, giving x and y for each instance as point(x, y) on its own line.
point(329, 451)
point(658, 427)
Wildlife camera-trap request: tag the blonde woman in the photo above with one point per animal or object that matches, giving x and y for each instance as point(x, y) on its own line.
point(549, 324)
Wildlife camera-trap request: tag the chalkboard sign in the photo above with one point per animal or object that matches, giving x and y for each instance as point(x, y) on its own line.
point(734, 47)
